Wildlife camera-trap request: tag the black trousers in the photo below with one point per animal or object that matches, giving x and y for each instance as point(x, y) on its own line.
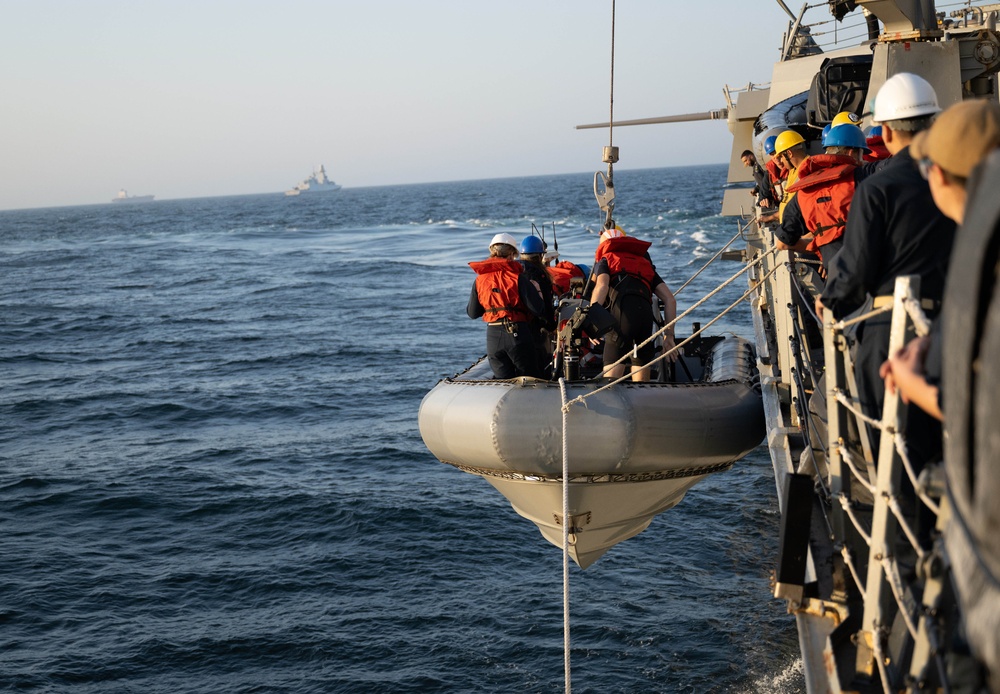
point(512, 355)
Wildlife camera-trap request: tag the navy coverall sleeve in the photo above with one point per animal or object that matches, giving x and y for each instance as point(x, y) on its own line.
point(793, 226)
point(474, 309)
point(530, 296)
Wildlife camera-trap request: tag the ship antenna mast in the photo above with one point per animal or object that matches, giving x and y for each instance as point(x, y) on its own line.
point(604, 186)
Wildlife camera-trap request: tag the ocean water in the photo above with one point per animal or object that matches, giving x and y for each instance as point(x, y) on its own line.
point(211, 477)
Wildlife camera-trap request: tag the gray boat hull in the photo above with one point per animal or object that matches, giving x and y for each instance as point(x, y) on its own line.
point(633, 450)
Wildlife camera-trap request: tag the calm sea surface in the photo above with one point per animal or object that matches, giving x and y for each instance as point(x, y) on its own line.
point(211, 478)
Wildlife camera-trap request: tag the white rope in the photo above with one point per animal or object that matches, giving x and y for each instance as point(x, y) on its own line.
point(585, 396)
point(705, 298)
point(849, 560)
point(890, 569)
point(849, 457)
point(566, 522)
point(844, 400)
point(900, 443)
point(846, 503)
point(904, 524)
point(921, 324)
point(712, 260)
point(880, 660)
point(871, 314)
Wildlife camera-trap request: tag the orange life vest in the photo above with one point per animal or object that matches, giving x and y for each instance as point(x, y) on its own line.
point(496, 287)
point(561, 273)
point(627, 255)
point(824, 191)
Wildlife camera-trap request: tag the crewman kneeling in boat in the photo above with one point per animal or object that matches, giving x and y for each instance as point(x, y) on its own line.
point(506, 299)
point(627, 279)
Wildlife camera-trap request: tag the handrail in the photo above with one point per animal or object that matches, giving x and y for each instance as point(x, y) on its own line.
point(885, 594)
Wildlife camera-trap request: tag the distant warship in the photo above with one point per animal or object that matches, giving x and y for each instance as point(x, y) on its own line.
point(316, 183)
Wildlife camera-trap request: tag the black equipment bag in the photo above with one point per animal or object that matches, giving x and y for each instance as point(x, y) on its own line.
point(840, 85)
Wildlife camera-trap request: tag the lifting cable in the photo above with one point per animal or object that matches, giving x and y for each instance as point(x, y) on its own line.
point(604, 185)
point(604, 191)
point(565, 524)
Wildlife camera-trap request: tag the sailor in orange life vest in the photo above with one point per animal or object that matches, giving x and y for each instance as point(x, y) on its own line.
point(814, 219)
point(627, 279)
point(506, 299)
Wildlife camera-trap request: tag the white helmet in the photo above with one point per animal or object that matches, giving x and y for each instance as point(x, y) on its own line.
point(905, 96)
point(503, 238)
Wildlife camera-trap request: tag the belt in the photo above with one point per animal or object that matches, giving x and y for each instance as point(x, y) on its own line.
point(887, 299)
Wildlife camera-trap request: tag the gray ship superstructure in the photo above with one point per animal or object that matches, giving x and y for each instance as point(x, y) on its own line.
point(876, 606)
point(873, 603)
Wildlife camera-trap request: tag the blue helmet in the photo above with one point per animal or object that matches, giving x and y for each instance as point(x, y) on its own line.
point(585, 268)
point(826, 131)
point(847, 135)
point(769, 144)
point(531, 245)
point(875, 132)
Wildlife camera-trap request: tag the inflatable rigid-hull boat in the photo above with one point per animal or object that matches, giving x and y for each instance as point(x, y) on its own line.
point(633, 449)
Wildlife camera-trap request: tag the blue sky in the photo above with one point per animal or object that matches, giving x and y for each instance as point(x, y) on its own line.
point(224, 97)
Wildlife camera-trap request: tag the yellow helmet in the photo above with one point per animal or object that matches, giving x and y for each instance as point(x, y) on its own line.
point(846, 118)
point(787, 140)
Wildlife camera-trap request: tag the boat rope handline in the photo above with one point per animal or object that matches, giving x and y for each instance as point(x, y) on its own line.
point(565, 510)
point(846, 323)
point(746, 294)
point(677, 347)
point(669, 325)
point(599, 477)
point(705, 266)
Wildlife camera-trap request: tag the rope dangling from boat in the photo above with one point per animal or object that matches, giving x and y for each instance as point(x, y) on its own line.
point(566, 521)
point(604, 185)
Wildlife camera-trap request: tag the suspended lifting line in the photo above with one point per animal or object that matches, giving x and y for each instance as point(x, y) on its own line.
point(565, 511)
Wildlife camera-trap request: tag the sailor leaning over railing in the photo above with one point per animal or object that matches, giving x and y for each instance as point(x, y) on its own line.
point(815, 216)
point(893, 229)
point(961, 139)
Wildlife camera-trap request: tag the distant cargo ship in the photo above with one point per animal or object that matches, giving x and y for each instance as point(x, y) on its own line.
point(123, 196)
point(317, 183)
